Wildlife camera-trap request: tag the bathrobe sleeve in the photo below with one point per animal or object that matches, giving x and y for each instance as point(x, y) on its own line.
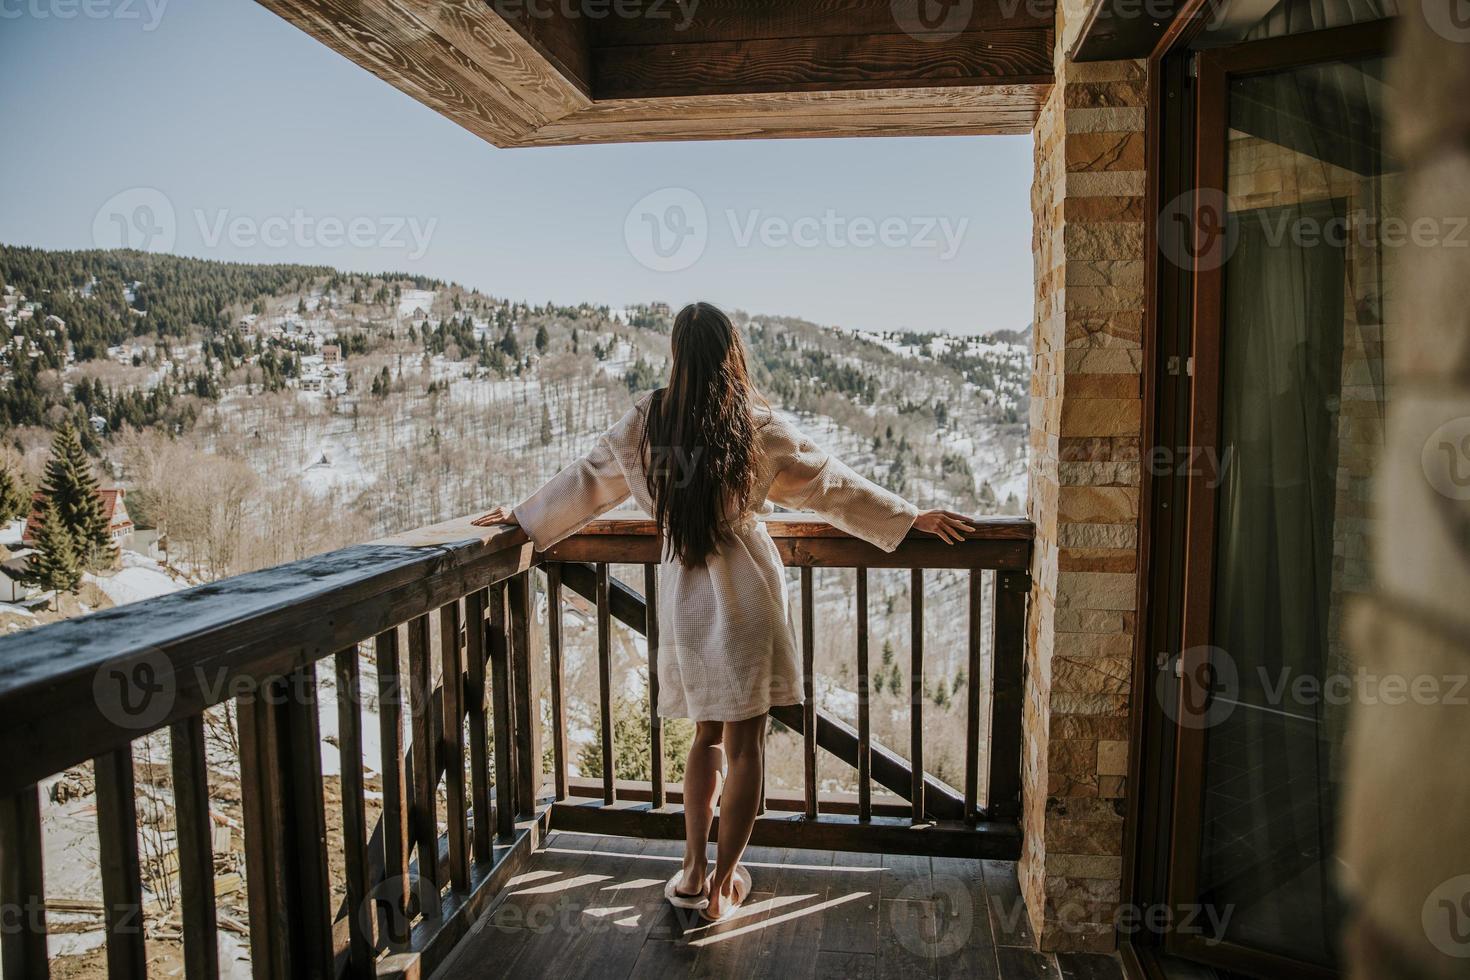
point(808, 478)
point(585, 490)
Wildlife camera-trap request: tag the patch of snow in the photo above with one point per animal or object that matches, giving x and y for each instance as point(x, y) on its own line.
point(10, 534)
point(410, 300)
point(140, 578)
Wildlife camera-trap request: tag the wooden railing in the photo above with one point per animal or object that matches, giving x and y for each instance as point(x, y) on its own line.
point(446, 613)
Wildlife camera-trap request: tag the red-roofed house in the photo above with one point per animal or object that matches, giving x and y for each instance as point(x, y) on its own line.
point(119, 524)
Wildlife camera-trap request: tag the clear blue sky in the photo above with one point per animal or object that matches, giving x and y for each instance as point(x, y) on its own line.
point(252, 133)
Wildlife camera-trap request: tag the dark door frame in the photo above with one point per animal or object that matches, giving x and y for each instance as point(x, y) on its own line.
point(1184, 154)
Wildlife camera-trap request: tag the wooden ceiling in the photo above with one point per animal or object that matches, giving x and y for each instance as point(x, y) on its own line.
point(559, 72)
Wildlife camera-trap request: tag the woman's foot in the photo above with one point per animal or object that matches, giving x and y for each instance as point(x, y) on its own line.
point(727, 899)
point(692, 881)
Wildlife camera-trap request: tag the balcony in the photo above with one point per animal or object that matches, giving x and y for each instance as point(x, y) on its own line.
point(471, 829)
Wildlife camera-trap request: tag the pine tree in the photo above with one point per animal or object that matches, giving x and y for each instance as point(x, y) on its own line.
point(542, 339)
point(14, 501)
point(54, 564)
point(71, 490)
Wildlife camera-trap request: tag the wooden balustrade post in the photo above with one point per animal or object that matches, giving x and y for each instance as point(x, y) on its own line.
point(451, 744)
point(916, 693)
point(122, 876)
point(655, 723)
point(604, 687)
point(396, 892)
point(523, 688)
point(558, 680)
point(285, 830)
point(865, 729)
point(22, 888)
point(972, 698)
point(809, 706)
point(1007, 653)
point(474, 685)
point(503, 716)
point(196, 851)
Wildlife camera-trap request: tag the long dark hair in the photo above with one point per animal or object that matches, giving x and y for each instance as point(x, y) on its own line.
point(699, 438)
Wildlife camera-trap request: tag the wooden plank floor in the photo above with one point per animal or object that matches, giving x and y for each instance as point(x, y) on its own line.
point(592, 906)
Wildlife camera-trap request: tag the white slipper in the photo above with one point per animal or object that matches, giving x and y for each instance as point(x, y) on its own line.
point(679, 901)
point(743, 886)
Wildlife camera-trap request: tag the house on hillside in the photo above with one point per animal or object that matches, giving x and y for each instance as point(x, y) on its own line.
point(119, 523)
point(13, 574)
point(331, 354)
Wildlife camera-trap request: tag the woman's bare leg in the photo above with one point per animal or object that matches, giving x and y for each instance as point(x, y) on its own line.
point(745, 746)
point(701, 776)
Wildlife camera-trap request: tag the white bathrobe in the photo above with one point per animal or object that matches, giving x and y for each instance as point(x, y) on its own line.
point(726, 647)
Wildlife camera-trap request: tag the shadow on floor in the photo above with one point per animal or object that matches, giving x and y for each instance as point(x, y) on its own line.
point(592, 906)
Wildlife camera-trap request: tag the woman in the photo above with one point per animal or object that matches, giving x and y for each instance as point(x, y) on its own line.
point(705, 456)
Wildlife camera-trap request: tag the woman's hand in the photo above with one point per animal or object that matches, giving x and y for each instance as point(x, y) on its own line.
point(499, 515)
point(945, 524)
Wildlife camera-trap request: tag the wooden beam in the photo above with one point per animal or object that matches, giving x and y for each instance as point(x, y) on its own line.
point(881, 835)
point(457, 57)
point(978, 111)
point(545, 74)
point(823, 64)
point(995, 543)
point(663, 22)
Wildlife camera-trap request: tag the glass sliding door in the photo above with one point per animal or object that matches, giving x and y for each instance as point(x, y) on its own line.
point(1292, 312)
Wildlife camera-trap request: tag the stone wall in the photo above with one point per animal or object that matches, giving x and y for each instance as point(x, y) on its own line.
point(1088, 238)
point(1405, 847)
